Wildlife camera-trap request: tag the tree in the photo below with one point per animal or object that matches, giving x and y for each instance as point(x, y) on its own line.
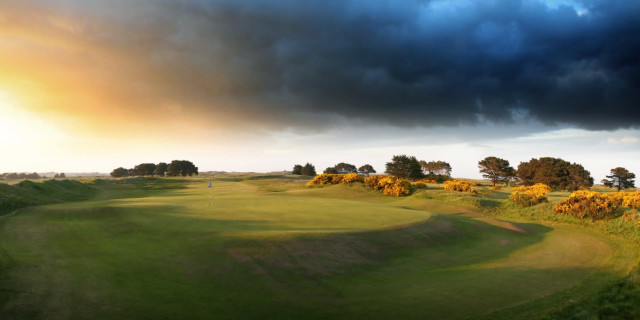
point(331, 170)
point(510, 175)
point(495, 169)
point(144, 169)
point(119, 172)
point(345, 167)
point(366, 169)
point(554, 172)
point(308, 170)
point(404, 166)
point(181, 168)
point(62, 175)
point(161, 169)
point(297, 169)
point(579, 178)
point(620, 178)
point(440, 168)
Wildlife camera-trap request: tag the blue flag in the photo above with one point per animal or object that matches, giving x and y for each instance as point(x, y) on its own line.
point(209, 184)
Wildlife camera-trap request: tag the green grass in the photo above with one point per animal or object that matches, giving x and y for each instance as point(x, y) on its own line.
point(28, 193)
point(270, 247)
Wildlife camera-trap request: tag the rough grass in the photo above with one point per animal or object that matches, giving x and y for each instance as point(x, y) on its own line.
point(270, 247)
point(28, 193)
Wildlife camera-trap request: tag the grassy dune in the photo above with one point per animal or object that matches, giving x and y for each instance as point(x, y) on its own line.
point(269, 247)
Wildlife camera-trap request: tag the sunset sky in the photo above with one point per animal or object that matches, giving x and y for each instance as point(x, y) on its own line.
point(244, 85)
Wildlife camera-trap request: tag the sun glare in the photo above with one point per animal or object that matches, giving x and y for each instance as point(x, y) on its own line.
point(20, 128)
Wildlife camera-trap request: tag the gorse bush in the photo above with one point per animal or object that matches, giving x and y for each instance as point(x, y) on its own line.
point(586, 204)
point(372, 181)
point(458, 185)
point(388, 185)
point(352, 178)
point(528, 196)
point(615, 197)
point(631, 200)
point(624, 199)
point(328, 178)
point(426, 180)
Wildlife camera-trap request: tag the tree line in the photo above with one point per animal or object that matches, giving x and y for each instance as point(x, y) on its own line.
point(22, 175)
point(173, 169)
point(341, 168)
point(554, 172)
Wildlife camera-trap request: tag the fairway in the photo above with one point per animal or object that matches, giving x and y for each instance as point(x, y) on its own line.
point(268, 247)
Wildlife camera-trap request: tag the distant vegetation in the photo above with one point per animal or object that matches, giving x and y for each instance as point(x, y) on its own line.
point(174, 169)
point(496, 170)
point(306, 170)
point(556, 173)
point(344, 168)
point(620, 178)
point(15, 175)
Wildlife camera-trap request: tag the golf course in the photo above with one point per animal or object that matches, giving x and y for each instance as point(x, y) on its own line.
point(270, 247)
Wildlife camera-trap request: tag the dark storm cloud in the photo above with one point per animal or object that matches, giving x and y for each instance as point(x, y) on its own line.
point(416, 63)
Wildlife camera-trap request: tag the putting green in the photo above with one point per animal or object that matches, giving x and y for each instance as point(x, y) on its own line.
point(272, 248)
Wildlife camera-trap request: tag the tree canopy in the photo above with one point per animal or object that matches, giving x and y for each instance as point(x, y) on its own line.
point(345, 167)
point(436, 168)
point(181, 168)
point(297, 169)
point(366, 169)
point(119, 172)
point(144, 169)
point(308, 170)
point(620, 178)
point(554, 172)
point(161, 169)
point(331, 170)
point(403, 166)
point(496, 169)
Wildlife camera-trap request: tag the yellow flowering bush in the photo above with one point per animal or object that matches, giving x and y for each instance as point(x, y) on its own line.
point(631, 200)
point(372, 181)
point(352, 177)
point(527, 196)
point(615, 197)
point(586, 204)
point(427, 181)
point(396, 188)
point(495, 188)
point(326, 178)
point(388, 185)
point(458, 185)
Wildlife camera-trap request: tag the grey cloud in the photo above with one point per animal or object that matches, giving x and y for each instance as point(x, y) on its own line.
point(404, 63)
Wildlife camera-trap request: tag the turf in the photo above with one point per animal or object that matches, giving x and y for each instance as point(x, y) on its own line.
point(268, 247)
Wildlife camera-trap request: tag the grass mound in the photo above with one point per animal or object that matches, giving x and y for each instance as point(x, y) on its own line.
point(29, 193)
